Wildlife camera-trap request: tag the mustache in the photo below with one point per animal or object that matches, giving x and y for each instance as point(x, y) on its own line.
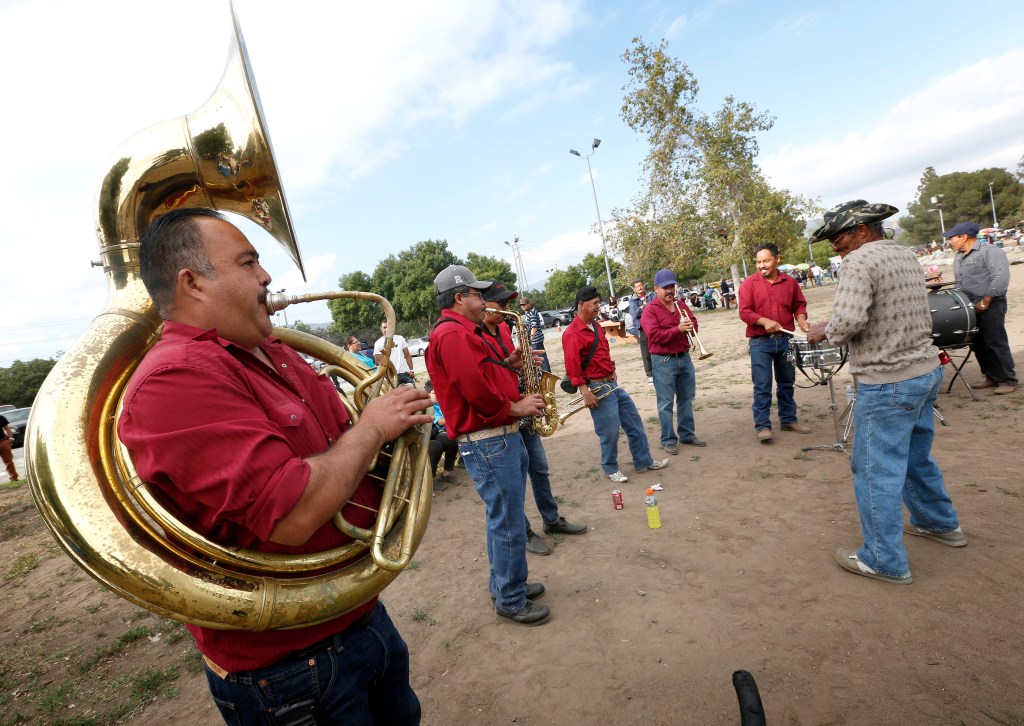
point(262, 298)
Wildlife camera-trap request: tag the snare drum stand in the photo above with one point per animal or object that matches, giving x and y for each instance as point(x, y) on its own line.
point(843, 420)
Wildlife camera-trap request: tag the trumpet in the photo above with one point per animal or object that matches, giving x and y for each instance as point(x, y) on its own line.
point(692, 337)
point(576, 404)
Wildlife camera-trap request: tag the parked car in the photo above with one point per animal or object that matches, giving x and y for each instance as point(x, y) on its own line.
point(565, 316)
point(549, 317)
point(6, 407)
point(18, 419)
point(417, 346)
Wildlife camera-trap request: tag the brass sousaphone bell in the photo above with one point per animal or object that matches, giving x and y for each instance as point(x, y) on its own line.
point(82, 477)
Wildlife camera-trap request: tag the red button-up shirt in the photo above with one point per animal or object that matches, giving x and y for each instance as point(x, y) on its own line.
point(222, 438)
point(475, 393)
point(577, 340)
point(662, 328)
point(780, 301)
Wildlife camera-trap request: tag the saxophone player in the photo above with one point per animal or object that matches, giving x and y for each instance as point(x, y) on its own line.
point(478, 390)
point(497, 335)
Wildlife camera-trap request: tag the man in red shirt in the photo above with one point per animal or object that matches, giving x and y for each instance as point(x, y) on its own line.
point(769, 303)
point(478, 389)
point(498, 336)
point(251, 448)
point(588, 360)
point(668, 322)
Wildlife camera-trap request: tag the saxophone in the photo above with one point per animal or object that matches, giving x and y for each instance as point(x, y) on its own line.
point(535, 381)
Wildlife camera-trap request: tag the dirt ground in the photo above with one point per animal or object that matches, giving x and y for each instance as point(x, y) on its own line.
point(648, 625)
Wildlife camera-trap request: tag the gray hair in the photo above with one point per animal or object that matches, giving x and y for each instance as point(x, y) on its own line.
point(170, 244)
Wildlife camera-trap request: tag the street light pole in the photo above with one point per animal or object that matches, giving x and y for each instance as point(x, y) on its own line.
point(937, 201)
point(600, 224)
point(517, 258)
point(992, 199)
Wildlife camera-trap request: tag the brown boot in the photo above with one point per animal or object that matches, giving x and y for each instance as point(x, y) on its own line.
point(984, 383)
point(1005, 389)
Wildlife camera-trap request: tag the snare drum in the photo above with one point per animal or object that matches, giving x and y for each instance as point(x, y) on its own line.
point(821, 356)
point(953, 320)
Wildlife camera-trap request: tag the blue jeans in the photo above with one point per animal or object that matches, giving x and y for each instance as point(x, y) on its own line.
point(766, 353)
point(539, 480)
point(360, 676)
point(675, 381)
point(538, 347)
point(612, 412)
point(498, 467)
point(891, 460)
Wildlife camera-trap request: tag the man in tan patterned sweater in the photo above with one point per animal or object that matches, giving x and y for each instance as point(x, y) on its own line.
point(881, 313)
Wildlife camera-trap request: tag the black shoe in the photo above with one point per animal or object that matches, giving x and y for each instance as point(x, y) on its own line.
point(695, 441)
point(440, 484)
point(564, 527)
point(536, 544)
point(529, 614)
point(533, 591)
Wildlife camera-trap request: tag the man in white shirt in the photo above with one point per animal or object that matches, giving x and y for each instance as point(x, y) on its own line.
point(400, 355)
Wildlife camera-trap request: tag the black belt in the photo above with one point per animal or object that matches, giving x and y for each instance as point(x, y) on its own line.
point(675, 355)
point(771, 335)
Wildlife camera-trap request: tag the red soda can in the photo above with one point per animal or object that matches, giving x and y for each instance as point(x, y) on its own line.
point(617, 499)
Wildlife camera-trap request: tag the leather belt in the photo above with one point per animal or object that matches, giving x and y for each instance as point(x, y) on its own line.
point(771, 335)
point(674, 355)
point(601, 380)
point(489, 433)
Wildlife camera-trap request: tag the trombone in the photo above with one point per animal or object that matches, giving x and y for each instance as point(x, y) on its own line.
point(575, 405)
point(692, 337)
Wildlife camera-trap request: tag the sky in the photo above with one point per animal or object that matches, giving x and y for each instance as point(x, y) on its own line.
point(398, 122)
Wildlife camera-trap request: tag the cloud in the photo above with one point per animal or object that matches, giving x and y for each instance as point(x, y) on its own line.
point(967, 120)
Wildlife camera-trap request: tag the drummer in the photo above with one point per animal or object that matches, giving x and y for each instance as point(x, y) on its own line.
point(770, 300)
point(881, 312)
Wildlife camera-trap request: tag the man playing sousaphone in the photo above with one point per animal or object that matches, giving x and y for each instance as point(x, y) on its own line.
point(881, 312)
point(252, 449)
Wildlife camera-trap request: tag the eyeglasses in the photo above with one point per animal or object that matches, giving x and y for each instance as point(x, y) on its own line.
point(833, 241)
point(474, 293)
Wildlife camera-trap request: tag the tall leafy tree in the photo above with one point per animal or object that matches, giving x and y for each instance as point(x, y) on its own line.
point(562, 286)
point(20, 383)
point(485, 267)
point(596, 274)
point(964, 196)
point(407, 280)
point(705, 196)
point(351, 316)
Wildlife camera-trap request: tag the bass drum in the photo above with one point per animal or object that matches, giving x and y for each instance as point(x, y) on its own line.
point(953, 320)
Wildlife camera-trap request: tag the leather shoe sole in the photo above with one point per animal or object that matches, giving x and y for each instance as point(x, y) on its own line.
point(537, 545)
point(564, 527)
point(534, 590)
point(797, 428)
point(1004, 390)
point(529, 614)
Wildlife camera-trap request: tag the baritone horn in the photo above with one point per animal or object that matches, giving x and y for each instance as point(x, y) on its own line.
point(82, 478)
point(693, 338)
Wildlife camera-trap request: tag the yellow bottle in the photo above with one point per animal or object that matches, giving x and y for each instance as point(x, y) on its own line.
point(653, 515)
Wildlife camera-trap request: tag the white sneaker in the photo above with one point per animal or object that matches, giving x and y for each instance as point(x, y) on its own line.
point(660, 464)
point(650, 380)
point(618, 477)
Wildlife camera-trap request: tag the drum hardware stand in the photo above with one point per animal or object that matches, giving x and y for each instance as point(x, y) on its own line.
point(958, 369)
point(844, 420)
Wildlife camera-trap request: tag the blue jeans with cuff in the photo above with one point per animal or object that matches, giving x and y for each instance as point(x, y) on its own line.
point(675, 381)
point(894, 427)
point(618, 410)
point(765, 354)
point(498, 467)
point(359, 676)
point(540, 481)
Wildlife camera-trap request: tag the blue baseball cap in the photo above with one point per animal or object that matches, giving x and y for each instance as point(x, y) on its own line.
point(971, 229)
point(663, 278)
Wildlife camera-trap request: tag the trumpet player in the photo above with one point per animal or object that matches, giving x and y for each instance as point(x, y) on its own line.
point(478, 390)
point(669, 324)
point(588, 360)
point(770, 300)
point(497, 335)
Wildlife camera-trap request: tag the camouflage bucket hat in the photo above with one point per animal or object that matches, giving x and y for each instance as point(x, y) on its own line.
point(849, 214)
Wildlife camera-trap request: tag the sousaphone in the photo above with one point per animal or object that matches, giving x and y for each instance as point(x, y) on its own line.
point(82, 477)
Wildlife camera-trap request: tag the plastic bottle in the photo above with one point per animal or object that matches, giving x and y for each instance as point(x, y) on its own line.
point(653, 515)
point(850, 394)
